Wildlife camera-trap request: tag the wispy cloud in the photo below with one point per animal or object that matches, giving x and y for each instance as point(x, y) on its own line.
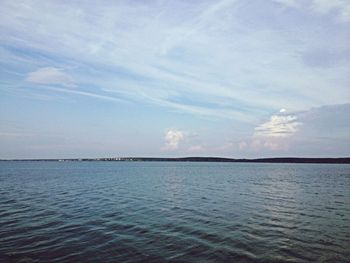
point(84, 93)
point(214, 52)
point(51, 75)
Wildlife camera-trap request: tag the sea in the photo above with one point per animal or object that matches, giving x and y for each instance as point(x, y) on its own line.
point(98, 211)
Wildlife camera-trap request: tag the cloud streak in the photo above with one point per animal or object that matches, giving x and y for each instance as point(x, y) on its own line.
point(84, 93)
point(51, 75)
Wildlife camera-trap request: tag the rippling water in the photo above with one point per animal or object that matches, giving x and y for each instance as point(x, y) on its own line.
point(174, 212)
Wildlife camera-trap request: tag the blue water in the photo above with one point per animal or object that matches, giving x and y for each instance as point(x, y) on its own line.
point(174, 212)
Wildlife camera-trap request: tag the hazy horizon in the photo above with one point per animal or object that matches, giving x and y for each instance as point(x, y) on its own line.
point(226, 78)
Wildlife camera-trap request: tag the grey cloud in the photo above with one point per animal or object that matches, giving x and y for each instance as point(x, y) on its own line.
point(325, 132)
point(325, 58)
point(327, 121)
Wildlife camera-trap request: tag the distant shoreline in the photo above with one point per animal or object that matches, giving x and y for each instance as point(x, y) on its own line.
point(343, 160)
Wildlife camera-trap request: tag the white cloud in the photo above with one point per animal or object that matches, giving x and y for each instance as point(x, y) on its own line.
point(173, 138)
point(278, 126)
point(273, 135)
point(51, 75)
point(303, 133)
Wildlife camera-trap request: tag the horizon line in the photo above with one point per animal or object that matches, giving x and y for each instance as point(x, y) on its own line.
point(201, 159)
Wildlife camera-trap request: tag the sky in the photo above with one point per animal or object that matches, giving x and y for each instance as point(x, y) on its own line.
point(230, 78)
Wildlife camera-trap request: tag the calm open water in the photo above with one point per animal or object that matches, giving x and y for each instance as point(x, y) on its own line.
point(174, 212)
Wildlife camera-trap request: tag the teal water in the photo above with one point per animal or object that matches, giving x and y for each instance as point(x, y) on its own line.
point(174, 212)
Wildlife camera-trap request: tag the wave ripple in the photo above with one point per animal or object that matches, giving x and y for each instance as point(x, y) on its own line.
point(174, 212)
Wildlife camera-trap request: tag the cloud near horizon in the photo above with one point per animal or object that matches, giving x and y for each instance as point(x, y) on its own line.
point(303, 131)
point(278, 126)
point(172, 139)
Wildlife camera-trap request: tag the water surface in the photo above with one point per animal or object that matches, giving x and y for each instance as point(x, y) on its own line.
point(174, 212)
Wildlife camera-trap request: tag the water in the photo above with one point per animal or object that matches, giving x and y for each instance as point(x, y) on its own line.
point(174, 212)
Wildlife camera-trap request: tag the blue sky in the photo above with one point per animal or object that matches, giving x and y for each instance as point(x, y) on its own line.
point(174, 78)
